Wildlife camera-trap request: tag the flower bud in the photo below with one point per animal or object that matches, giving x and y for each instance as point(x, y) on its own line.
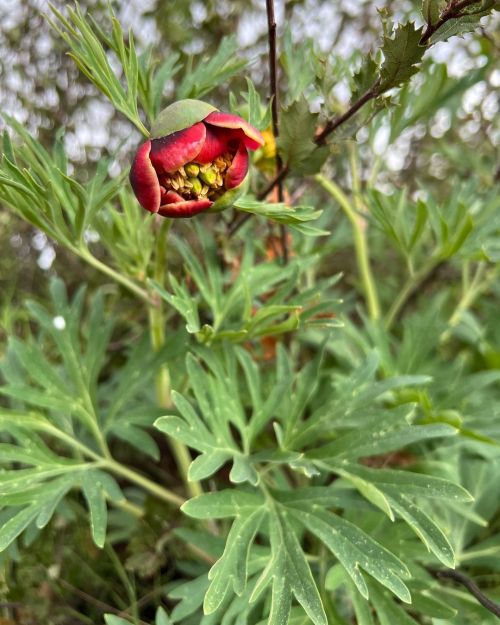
point(196, 185)
point(196, 160)
point(192, 169)
point(209, 176)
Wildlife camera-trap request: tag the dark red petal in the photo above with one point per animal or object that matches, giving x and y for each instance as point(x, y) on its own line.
point(252, 137)
point(171, 197)
point(238, 168)
point(171, 152)
point(215, 144)
point(144, 180)
point(186, 208)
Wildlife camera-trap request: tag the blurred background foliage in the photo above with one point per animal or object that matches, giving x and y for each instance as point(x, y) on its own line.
point(437, 143)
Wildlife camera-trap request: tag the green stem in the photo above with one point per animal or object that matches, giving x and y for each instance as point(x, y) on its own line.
point(70, 441)
point(129, 507)
point(410, 287)
point(88, 414)
point(129, 587)
point(156, 316)
point(144, 482)
point(84, 253)
point(360, 245)
point(470, 293)
point(471, 290)
point(115, 467)
point(140, 126)
point(162, 380)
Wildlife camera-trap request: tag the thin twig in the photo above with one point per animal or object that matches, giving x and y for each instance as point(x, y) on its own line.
point(333, 124)
point(452, 11)
point(280, 176)
point(472, 587)
point(273, 72)
point(319, 139)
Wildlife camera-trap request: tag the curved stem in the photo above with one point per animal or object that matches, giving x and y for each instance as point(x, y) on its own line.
point(479, 283)
point(69, 440)
point(472, 587)
point(144, 482)
point(115, 467)
point(156, 316)
point(86, 255)
point(410, 287)
point(360, 245)
point(162, 382)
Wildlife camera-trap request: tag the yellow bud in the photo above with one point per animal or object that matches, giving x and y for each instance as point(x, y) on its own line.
point(269, 147)
point(192, 169)
point(209, 176)
point(196, 185)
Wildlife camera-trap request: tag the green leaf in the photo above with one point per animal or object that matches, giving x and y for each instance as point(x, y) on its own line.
point(96, 502)
point(180, 115)
point(231, 569)
point(380, 438)
point(294, 216)
point(212, 71)
point(402, 53)
point(468, 21)
point(181, 430)
point(389, 612)
point(162, 617)
point(431, 10)
point(412, 484)
point(370, 492)
point(191, 597)
point(243, 471)
point(207, 464)
point(50, 505)
point(182, 301)
point(16, 524)
point(427, 604)
point(356, 550)
point(365, 78)
point(111, 619)
point(431, 534)
point(453, 246)
point(222, 504)
point(85, 39)
point(321, 496)
point(295, 142)
point(300, 61)
point(289, 573)
point(362, 608)
point(254, 111)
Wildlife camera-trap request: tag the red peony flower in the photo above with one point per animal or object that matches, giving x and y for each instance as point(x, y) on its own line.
point(195, 156)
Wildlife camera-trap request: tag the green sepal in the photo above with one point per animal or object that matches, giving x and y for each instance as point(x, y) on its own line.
point(179, 115)
point(230, 197)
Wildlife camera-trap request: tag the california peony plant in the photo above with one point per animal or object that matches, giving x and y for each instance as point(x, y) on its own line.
point(286, 414)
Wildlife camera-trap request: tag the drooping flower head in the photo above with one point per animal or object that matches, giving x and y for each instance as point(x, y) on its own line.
point(196, 154)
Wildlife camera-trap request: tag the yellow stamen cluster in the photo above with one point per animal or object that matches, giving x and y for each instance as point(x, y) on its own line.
point(198, 182)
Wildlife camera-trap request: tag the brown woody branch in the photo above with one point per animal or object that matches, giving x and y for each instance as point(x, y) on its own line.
point(333, 124)
point(273, 73)
point(452, 11)
point(472, 587)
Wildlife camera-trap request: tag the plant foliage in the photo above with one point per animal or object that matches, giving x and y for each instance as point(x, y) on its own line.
point(286, 414)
